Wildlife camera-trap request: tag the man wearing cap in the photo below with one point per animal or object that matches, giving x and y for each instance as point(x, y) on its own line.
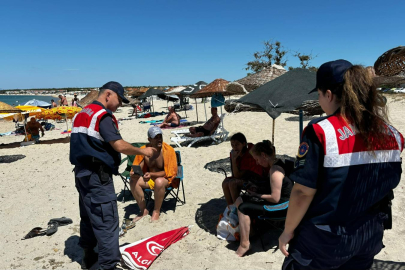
point(95, 148)
point(159, 172)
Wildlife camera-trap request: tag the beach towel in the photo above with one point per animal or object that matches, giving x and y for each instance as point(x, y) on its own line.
point(151, 121)
point(170, 161)
point(141, 254)
point(66, 131)
point(158, 122)
point(182, 125)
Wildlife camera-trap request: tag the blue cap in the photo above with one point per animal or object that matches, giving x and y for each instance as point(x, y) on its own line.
point(331, 73)
point(117, 88)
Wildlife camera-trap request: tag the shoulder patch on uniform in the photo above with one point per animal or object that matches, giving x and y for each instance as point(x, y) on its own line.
point(303, 149)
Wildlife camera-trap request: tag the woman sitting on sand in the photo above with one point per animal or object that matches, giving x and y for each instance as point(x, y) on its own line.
point(244, 168)
point(251, 205)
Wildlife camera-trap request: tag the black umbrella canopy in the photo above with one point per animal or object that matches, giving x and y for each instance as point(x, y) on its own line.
point(151, 92)
point(284, 93)
point(193, 88)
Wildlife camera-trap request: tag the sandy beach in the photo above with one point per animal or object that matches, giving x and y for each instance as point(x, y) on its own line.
point(41, 186)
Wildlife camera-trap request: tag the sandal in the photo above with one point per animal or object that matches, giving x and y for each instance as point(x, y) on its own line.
point(37, 231)
point(61, 221)
point(52, 228)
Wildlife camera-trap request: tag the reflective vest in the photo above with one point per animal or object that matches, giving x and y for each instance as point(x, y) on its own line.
point(353, 178)
point(86, 143)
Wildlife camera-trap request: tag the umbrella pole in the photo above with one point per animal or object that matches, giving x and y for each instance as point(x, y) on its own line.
point(185, 111)
point(25, 123)
point(196, 111)
point(153, 107)
point(67, 126)
point(272, 134)
point(205, 110)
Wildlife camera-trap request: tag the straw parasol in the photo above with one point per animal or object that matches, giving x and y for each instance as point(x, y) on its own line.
point(235, 88)
point(89, 98)
point(218, 86)
point(391, 63)
point(5, 108)
point(138, 91)
point(256, 80)
point(393, 81)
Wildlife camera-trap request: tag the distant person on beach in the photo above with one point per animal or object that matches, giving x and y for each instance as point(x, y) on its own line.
point(158, 172)
point(53, 104)
point(75, 100)
point(63, 101)
point(33, 128)
point(172, 119)
point(95, 148)
point(244, 168)
point(347, 166)
point(208, 128)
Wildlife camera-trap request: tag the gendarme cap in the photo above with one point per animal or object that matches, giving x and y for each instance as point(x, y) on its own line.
point(331, 73)
point(117, 88)
point(153, 131)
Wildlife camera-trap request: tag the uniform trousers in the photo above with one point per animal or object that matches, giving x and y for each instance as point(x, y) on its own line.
point(99, 224)
point(336, 247)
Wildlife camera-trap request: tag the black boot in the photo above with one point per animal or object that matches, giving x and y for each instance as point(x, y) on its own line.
point(89, 258)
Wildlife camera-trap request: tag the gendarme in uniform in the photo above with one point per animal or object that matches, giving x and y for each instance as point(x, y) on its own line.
point(95, 162)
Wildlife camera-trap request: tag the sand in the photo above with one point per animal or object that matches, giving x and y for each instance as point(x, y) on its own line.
point(41, 186)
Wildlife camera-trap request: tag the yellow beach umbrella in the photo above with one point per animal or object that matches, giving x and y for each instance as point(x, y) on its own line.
point(31, 110)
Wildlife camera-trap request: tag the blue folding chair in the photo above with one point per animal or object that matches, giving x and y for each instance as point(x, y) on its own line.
point(170, 190)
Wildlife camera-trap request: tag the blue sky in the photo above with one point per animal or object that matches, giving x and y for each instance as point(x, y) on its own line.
point(56, 43)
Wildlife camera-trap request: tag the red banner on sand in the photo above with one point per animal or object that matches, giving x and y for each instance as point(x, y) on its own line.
point(141, 254)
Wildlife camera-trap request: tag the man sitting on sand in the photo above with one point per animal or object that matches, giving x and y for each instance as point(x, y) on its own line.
point(158, 171)
point(208, 128)
point(33, 128)
point(172, 119)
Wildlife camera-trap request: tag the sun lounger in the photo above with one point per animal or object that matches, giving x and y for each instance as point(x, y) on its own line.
point(220, 135)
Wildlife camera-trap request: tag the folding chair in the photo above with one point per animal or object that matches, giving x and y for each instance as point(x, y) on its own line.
point(170, 190)
point(125, 174)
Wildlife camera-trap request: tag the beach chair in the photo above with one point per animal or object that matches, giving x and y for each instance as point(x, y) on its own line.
point(219, 135)
point(129, 160)
point(170, 190)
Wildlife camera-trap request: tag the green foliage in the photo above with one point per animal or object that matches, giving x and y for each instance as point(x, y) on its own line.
point(274, 52)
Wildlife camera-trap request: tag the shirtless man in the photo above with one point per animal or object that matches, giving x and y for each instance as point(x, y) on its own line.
point(171, 120)
point(33, 128)
point(53, 104)
point(208, 128)
point(154, 178)
point(63, 101)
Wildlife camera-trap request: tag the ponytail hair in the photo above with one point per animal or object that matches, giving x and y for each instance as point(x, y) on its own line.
point(264, 147)
point(361, 105)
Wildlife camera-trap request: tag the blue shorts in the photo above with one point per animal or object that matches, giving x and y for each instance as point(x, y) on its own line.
point(174, 125)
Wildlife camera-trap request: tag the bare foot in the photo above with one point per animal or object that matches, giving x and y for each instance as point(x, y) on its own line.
point(155, 216)
point(139, 216)
point(242, 250)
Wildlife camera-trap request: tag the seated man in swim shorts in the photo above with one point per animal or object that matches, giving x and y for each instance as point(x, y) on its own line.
point(172, 119)
point(33, 128)
point(208, 128)
point(159, 171)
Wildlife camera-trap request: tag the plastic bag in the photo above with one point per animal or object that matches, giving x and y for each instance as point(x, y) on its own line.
point(228, 225)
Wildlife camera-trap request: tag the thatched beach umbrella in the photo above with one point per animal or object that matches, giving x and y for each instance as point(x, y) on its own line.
point(256, 80)
point(88, 99)
point(5, 108)
point(391, 63)
point(218, 86)
point(393, 81)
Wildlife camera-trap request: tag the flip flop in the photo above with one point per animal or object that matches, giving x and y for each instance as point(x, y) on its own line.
point(52, 228)
point(37, 231)
point(61, 221)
